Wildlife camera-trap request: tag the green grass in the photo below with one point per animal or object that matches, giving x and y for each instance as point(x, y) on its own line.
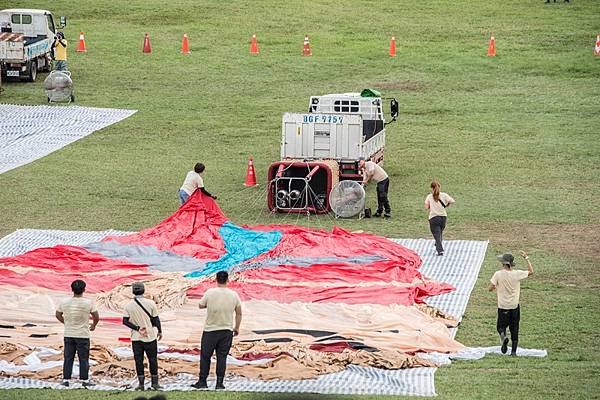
point(513, 138)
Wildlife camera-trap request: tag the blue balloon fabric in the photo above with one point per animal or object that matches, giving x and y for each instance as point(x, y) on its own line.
point(241, 245)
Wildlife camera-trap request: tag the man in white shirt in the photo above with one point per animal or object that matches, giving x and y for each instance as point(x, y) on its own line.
point(219, 330)
point(75, 313)
point(372, 171)
point(193, 180)
point(141, 316)
point(507, 283)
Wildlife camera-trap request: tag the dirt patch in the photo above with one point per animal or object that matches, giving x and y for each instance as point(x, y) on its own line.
point(407, 86)
point(576, 245)
point(562, 239)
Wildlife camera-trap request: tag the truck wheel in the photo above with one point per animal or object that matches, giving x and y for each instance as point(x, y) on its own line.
point(32, 71)
point(32, 74)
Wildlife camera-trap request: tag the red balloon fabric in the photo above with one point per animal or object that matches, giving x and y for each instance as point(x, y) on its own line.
point(95, 283)
point(375, 294)
point(193, 230)
point(68, 259)
point(301, 264)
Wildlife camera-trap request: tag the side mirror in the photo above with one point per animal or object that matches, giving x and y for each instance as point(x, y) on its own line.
point(63, 21)
point(394, 108)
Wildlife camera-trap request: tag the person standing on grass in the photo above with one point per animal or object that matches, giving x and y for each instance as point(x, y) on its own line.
point(372, 171)
point(507, 283)
point(75, 313)
point(141, 316)
point(193, 180)
point(220, 303)
point(60, 52)
point(437, 202)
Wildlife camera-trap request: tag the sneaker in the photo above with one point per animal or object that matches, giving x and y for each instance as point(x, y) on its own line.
point(440, 253)
point(377, 214)
point(387, 215)
point(201, 384)
point(513, 353)
point(504, 342)
point(65, 383)
point(87, 384)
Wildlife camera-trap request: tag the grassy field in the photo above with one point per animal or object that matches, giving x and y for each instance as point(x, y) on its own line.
point(513, 138)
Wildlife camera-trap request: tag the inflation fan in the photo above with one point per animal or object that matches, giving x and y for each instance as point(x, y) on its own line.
point(347, 199)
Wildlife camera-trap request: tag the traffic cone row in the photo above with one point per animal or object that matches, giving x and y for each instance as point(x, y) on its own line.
point(306, 49)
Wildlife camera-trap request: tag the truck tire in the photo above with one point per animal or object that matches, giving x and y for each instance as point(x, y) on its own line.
point(32, 75)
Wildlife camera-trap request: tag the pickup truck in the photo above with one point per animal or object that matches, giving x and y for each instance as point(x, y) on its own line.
point(26, 38)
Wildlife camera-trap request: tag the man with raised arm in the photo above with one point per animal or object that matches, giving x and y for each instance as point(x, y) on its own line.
point(507, 283)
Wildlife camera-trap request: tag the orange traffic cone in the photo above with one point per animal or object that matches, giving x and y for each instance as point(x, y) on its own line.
point(306, 51)
point(492, 46)
point(597, 48)
point(393, 47)
point(81, 48)
point(185, 46)
point(147, 48)
point(250, 174)
point(254, 46)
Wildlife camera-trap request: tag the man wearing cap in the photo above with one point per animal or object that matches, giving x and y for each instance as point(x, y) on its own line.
point(141, 316)
point(75, 313)
point(220, 303)
point(372, 171)
point(507, 283)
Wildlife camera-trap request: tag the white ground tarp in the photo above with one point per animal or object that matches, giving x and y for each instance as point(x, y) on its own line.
point(28, 133)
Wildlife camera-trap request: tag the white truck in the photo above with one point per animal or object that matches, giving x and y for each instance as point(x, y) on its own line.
point(322, 147)
point(26, 38)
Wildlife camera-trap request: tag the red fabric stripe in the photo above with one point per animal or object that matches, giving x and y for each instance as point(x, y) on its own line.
point(62, 282)
point(381, 271)
point(68, 259)
point(380, 294)
point(299, 241)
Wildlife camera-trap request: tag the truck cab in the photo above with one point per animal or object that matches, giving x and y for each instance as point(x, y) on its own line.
point(26, 37)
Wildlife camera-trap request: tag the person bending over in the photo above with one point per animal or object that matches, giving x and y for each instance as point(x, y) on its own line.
point(372, 171)
point(193, 180)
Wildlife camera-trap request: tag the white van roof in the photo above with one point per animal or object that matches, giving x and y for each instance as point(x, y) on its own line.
point(25, 11)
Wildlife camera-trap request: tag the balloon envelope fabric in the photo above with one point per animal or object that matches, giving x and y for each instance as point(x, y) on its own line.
point(365, 291)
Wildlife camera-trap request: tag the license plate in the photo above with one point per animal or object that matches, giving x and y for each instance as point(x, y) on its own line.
point(12, 73)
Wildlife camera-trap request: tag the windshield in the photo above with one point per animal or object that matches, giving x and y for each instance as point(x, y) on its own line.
point(51, 23)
